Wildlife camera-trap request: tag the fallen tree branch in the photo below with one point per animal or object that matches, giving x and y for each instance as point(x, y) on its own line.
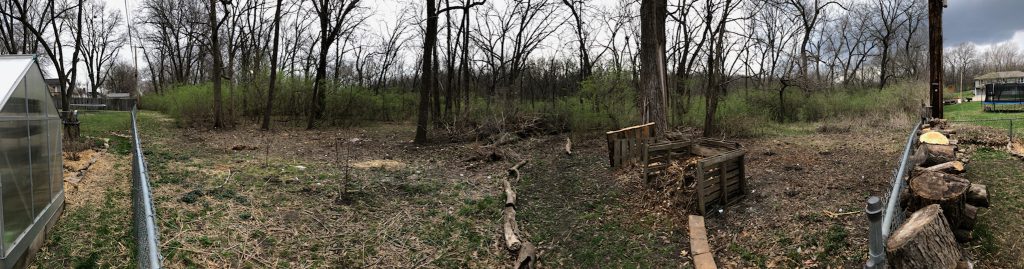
point(525, 253)
point(568, 146)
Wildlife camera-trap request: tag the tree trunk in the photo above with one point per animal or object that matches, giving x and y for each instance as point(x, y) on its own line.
point(215, 74)
point(273, 68)
point(946, 190)
point(923, 241)
point(427, 86)
point(652, 64)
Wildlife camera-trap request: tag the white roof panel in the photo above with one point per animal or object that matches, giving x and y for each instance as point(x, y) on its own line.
point(12, 71)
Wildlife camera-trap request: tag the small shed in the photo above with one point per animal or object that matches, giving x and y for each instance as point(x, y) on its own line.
point(31, 164)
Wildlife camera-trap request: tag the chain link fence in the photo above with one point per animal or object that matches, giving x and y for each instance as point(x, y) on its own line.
point(887, 214)
point(143, 215)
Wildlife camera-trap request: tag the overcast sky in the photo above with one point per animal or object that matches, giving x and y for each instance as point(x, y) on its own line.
point(982, 22)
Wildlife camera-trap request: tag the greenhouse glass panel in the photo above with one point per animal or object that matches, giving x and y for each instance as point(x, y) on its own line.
point(31, 164)
point(40, 166)
point(56, 164)
point(17, 190)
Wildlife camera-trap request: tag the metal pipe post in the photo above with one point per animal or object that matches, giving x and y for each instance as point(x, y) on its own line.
point(876, 246)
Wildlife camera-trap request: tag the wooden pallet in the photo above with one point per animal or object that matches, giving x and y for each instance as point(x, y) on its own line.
point(721, 179)
point(625, 145)
point(720, 174)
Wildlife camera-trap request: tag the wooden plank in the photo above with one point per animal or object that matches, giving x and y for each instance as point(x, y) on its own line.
point(722, 177)
point(617, 158)
point(700, 189)
point(724, 157)
point(700, 248)
point(611, 149)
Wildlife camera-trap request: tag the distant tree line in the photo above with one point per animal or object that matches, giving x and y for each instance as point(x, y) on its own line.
point(452, 52)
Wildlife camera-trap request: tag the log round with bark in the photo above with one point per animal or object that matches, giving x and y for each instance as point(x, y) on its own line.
point(946, 190)
point(954, 167)
point(936, 154)
point(977, 195)
point(933, 137)
point(923, 241)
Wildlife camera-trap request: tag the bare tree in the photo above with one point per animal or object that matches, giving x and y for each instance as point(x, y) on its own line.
point(101, 41)
point(333, 16)
point(273, 69)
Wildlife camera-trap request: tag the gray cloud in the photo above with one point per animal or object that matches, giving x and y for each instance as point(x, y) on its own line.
point(982, 21)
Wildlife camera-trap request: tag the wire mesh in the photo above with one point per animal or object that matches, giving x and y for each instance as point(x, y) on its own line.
point(143, 214)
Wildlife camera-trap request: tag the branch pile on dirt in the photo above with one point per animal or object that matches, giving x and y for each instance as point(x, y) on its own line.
point(944, 205)
point(524, 251)
point(508, 129)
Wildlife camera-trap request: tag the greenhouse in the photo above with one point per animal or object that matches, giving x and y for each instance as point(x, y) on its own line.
point(31, 175)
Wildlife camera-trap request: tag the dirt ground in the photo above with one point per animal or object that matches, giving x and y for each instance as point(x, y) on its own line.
point(368, 197)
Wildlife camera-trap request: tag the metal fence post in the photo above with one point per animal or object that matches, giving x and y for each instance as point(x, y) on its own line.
point(876, 248)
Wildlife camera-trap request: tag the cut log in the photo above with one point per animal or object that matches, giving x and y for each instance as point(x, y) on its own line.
point(923, 241)
point(934, 138)
point(970, 217)
point(977, 195)
point(699, 247)
point(512, 242)
point(936, 154)
point(954, 167)
point(527, 257)
point(963, 235)
point(946, 190)
point(568, 146)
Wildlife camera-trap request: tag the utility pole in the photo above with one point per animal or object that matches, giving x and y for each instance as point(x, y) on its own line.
point(935, 55)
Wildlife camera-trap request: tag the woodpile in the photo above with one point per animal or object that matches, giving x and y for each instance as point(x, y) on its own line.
point(944, 205)
point(524, 252)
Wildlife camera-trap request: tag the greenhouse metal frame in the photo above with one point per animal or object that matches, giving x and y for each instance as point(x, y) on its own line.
point(31, 165)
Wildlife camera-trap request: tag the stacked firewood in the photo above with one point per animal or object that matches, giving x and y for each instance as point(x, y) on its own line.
point(944, 205)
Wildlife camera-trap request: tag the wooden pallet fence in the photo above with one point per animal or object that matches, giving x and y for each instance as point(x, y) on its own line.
point(720, 173)
point(721, 179)
point(625, 145)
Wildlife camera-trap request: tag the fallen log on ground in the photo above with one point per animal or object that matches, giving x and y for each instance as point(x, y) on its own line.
point(946, 190)
point(953, 167)
point(524, 252)
point(977, 195)
point(512, 242)
point(923, 241)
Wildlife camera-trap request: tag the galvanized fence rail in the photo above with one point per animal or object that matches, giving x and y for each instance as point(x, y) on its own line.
point(887, 217)
point(143, 214)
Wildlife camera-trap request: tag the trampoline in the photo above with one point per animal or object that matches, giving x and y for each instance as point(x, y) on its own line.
point(1004, 97)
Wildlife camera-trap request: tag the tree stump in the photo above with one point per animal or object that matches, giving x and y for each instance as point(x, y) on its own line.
point(923, 241)
point(946, 190)
point(936, 154)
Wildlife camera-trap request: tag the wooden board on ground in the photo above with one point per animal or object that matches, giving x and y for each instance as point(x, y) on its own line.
point(700, 249)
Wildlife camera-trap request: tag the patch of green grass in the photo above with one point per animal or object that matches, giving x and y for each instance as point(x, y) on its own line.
point(974, 111)
point(995, 244)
